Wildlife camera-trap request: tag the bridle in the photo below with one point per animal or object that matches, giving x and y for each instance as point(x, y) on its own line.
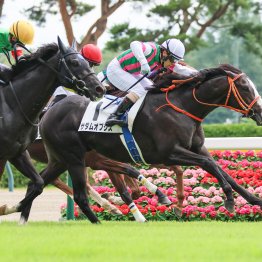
point(233, 91)
point(79, 85)
point(246, 109)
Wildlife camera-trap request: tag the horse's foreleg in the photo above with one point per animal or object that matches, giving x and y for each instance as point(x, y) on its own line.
point(119, 183)
point(48, 175)
point(250, 198)
point(2, 167)
point(183, 156)
point(77, 174)
point(23, 164)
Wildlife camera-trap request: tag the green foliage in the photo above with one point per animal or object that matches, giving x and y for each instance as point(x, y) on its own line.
point(187, 20)
point(38, 12)
point(19, 179)
point(232, 130)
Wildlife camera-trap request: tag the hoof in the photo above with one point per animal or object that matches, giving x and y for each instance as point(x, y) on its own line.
point(22, 221)
point(116, 212)
point(3, 210)
point(164, 201)
point(178, 212)
point(230, 206)
point(162, 198)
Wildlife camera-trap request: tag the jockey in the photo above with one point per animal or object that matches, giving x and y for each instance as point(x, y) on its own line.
point(20, 33)
point(140, 59)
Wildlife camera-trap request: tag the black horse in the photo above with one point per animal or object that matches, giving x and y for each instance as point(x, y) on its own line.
point(24, 97)
point(168, 133)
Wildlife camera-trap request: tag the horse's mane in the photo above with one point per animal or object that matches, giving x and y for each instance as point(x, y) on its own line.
point(230, 68)
point(165, 80)
point(45, 52)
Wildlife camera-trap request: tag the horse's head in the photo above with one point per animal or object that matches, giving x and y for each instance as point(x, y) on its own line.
point(245, 96)
point(231, 89)
point(75, 73)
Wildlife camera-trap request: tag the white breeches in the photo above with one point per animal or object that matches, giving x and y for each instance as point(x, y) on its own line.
point(123, 80)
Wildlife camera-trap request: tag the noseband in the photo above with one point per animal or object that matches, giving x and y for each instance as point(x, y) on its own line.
point(232, 90)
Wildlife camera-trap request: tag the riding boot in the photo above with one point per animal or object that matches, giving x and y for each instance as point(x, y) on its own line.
point(113, 119)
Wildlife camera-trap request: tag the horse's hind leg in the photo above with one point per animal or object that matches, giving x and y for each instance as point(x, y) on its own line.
point(180, 190)
point(134, 187)
point(99, 162)
point(122, 189)
point(77, 174)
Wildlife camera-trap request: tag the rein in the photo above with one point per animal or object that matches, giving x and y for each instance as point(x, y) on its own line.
point(20, 107)
point(232, 90)
point(79, 84)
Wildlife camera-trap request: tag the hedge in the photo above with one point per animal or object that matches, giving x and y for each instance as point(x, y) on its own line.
point(232, 130)
point(211, 130)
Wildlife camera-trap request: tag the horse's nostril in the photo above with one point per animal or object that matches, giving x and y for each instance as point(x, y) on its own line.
point(100, 90)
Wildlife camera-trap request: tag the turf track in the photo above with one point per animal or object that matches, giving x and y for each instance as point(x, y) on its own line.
point(130, 241)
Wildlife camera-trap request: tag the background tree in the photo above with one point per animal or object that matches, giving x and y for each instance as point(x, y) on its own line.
point(189, 20)
point(72, 9)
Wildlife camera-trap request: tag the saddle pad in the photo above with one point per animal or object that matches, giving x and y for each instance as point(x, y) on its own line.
point(95, 115)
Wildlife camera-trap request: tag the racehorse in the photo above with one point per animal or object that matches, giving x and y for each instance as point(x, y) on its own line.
point(27, 92)
point(168, 133)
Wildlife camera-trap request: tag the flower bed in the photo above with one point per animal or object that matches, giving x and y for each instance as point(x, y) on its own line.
point(203, 196)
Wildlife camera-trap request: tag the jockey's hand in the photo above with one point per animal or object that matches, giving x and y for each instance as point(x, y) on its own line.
point(145, 68)
point(21, 59)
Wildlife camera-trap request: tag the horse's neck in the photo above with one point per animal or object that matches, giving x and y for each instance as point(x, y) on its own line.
point(34, 88)
point(183, 99)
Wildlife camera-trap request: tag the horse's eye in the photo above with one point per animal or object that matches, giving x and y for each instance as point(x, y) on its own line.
point(74, 62)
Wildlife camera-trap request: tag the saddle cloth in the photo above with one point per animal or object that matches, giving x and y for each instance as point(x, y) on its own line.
point(95, 115)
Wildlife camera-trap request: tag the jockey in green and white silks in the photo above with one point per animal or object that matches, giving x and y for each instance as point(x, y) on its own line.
point(130, 66)
point(20, 33)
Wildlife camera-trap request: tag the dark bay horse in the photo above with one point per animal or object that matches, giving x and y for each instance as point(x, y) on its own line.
point(167, 129)
point(24, 97)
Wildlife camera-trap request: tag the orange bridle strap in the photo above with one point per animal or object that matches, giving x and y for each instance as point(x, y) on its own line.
point(179, 82)
point(232, 90)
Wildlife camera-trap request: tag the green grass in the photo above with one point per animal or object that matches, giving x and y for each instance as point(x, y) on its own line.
point(130, 241)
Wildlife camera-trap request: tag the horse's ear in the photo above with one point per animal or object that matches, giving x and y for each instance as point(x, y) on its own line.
point(74, 46)
point(230, 74)
point(61, 45)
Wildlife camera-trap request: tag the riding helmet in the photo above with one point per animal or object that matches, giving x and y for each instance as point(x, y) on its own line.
point(23, 31)
point(92, 54)
point(175, 48)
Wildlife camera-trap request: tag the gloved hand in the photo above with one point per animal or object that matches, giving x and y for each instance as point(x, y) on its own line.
point(21, 59)
point(145, 68)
